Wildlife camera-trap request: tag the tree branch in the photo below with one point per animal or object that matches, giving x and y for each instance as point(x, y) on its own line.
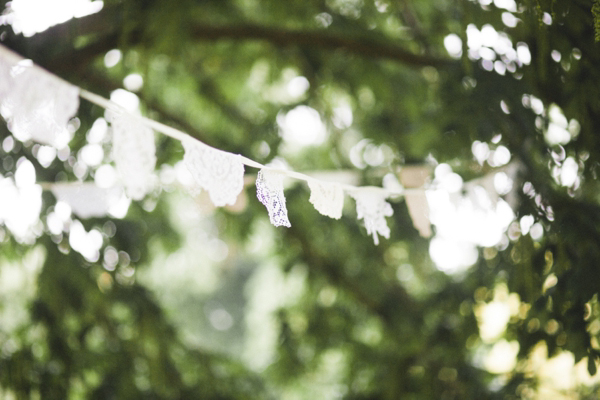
point(48, 47)
point(360, 46)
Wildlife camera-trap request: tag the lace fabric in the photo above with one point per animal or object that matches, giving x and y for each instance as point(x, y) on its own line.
point(87, 200)
point(269, 190)
point(20, 220)
point(220, 173)
point(134, 153)
point(372, 208)
point(8, 59)
point(36, 104)
point(327, 198)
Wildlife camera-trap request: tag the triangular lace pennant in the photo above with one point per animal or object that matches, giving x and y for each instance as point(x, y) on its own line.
point(86, 199)
point(36, 104)
point(220, 173)
point(418, 209)
point(328, 198)
point(269, 190)
point(372, 208)
point(134, 153)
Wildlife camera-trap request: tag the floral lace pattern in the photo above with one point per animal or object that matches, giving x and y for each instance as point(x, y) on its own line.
point(220, 173)
point(269, 190)
point(372, 208)
point(327, 198)
point(134, 154)
point(36, 104)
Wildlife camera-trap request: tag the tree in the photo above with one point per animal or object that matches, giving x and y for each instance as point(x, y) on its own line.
point(396, 84)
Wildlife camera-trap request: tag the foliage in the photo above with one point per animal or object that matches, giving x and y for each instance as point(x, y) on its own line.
point(352, 320)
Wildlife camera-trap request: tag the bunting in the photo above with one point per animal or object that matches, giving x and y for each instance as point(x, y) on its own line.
point(416, 202)
point(269, 190)
point(134, 153)
point(372, 208)
point(38, 106)
point(86, 199)
point(220, 173)
point(328, 198)
point(35, 104)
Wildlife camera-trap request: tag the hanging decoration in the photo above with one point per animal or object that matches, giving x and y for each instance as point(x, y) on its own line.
point(416, 201)
point(418, 209)
point(372, 208)
point(220, 173)
point(38, 106)
point(269, 190)
point(134, 153)
point(328, 198)
point(86, 199)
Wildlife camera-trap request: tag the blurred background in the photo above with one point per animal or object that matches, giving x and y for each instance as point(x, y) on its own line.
point(490, 106)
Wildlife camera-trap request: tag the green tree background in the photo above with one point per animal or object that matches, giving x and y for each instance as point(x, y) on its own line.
point(203, 304)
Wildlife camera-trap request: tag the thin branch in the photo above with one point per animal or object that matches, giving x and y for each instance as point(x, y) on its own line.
point(360, 46)
point(211, 91)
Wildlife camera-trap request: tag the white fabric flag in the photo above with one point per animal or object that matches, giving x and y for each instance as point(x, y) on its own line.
point(327, 197)
point(416, 176)
point(269, 190)
point(372, 208)
point(86, 199)
point(36, 104)
point(220, 173)
point(134, 153)
point(418, 209)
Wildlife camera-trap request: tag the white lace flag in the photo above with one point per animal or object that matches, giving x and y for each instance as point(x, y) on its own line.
point(482, 193)
point(488, 185)
point(372, 208)
point(87, 200)
point(328, 198)
point(269, 190)
point(415, 176)
point(418, 209)
point(36, 104)
point(134, 153)
point(220, 173)
point(8, 60)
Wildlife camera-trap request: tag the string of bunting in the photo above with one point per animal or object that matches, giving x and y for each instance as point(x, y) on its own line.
point(38, 105)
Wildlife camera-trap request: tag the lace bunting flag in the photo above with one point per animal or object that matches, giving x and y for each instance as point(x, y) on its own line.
point(87, 200)
point(328, 198)
point(36, 104)
point(134, 153)
point(372, 208)
point(269, 190)
point(8, 59)
point(418, 209)
point(220, 173)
